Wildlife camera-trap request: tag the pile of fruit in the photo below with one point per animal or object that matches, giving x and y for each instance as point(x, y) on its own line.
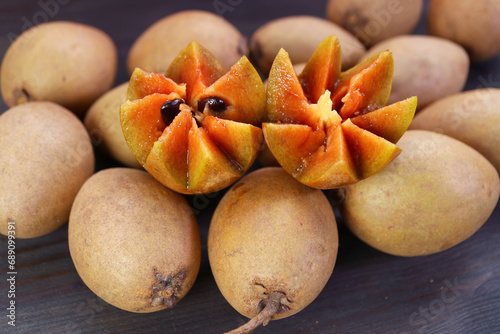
point(196, 116)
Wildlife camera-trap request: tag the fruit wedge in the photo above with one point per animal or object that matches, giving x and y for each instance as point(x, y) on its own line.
point(196, 129)
point(329, 128)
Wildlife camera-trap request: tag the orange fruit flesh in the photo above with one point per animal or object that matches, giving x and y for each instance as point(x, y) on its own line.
point(370, 152)
point(142, 122)
point(366, 87)
point(197, 68)
point(144, 83)
point(243, 92)
point(322, 69)
point(389, 122)
point(169, 154)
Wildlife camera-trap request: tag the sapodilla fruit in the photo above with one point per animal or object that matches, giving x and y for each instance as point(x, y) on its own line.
point(272, 245)
point(46, 156)
point(68, 63)
point(436, 194)
point(134, 243)
point(158, 45)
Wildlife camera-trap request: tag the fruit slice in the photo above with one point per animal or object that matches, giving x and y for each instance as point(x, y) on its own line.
point(234, 86)
point(330, 140)
point(365, 87)
point(371, 152)
point(192, 131)
point(322, 70)
point(142, 122)
point(143, 83)
point(167, 159)
point(246, 140)
point(197, 68)
point(301, 139)
point(389, 122)
point(286, 101)
point(241, 87)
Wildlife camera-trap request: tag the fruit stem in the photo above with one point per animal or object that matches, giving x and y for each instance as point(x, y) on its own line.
point(273, 304)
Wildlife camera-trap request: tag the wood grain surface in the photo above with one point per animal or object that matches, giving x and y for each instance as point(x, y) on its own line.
point(455, 291)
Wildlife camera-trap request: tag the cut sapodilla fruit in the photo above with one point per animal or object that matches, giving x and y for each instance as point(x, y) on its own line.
point(196, 128)
point(328, 128)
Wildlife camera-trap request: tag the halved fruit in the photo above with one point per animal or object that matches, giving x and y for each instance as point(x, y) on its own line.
point(329, 128)
point(196, 129)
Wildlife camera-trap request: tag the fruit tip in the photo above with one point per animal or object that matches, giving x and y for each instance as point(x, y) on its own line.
point(332, 39)
point(136, 72)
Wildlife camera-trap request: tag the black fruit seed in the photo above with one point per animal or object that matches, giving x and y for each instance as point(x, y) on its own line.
point(215, 104)
point(170, 109)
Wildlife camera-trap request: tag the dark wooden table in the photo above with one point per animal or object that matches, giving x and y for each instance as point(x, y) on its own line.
point(455, 291)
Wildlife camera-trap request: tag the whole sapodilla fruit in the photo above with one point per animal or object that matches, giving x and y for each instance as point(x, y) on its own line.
point(300, 35)
point(472, 117)
point(472, 23)
point(272, 241)
point(426, 66)
point(373, 21)
point(134, 243)
point(156, 48)
point(68, 63)
point(434, 195)
point(46, 156)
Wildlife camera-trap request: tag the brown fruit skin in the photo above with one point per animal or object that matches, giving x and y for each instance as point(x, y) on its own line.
point(102, 121)
point(434, 195)
point(127, 232)
point(373, 21)
point(300, 36)
point(46, 157)
point(426, 66)
point(474, 24)
point(272, 233)
point(156, 48)
point(68, 63)
point(472, 117)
